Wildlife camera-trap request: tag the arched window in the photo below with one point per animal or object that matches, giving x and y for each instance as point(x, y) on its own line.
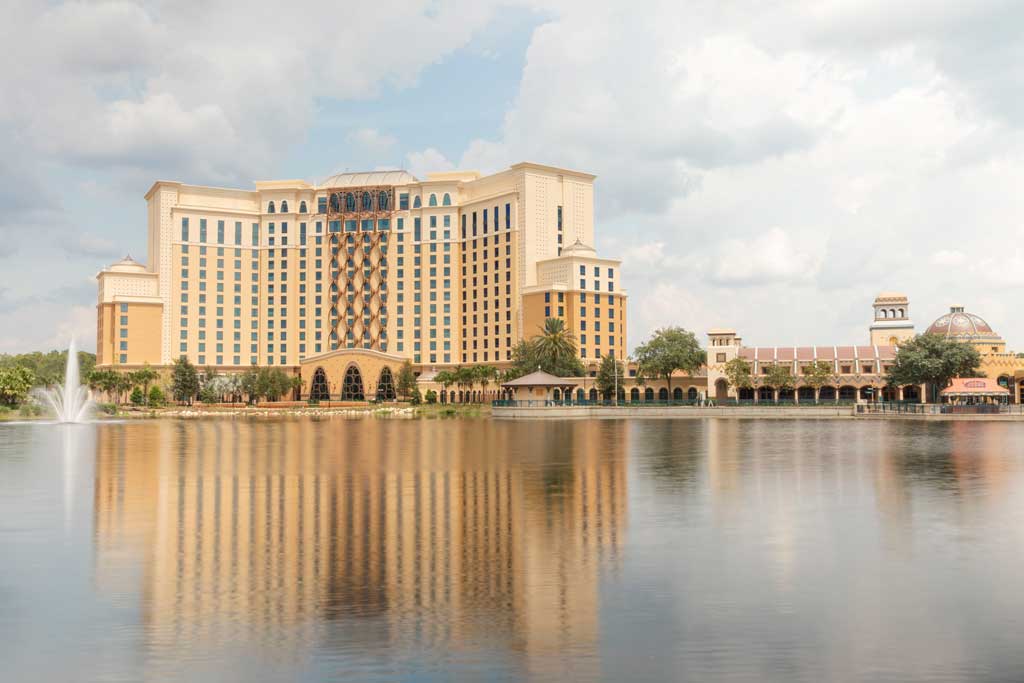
point(352, 387)
point(648, 394)
point(350, 202)
point(847, 393)
point(556, 394)
point(270, 208)
point(885, 313)
point(385, 385)
point(367, 202)
point(765, 394)
point(416, 202)
point(446, 200)
point(902, 314)
point(593, 392)
point(318, 389)
point(284, 206)
point(579, 395)
point(892, 312)
point(677, 394)
point(382, 201)
point(692, 394)
point(433, 200)
point(663, 394)
point(302, 207)
point(335, 203)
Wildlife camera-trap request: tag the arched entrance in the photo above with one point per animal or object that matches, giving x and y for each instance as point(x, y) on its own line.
point(805, 394)
point(890, 394)
point(746, 393)
point(634, 395)
point(385, 385)
point(827, 394)
point(677, 394)
point(691, 394)
point(648, 394)
point(352, 385)
point(786, 394)
point(912, 393)
point(663, 394)
point(318, 388)
point(847, 393)
point(867, 393)
point(593, 394)
point(766, 394)
point(721, 390)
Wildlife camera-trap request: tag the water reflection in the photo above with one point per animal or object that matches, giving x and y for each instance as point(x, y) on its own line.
point(372, 535)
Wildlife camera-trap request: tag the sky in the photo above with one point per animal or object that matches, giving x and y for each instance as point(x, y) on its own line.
point(768, 167)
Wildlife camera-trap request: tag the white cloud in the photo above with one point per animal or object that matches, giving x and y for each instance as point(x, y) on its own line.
point(947, 257)
point(423, 162)
point(373, 141)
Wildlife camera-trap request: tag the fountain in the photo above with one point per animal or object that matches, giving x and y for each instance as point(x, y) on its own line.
point(69, 401)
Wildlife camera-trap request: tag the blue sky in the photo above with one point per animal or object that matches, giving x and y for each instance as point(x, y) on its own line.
point(768, 167)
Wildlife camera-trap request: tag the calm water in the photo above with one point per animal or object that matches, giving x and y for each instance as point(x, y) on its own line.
point(480, 550)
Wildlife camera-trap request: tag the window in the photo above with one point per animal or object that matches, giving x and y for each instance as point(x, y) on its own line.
point(403, 201)
point(270, 208)
point(433, 200)
point(184, 229)
point(238, 232)
point(302, 207)
point(202, 229)
point(508, 216)
point(321, 204)
point(255, 235)
point(284, 206)
point(446, 200)
point(416, 202)
point(720, 358)
point(220, 232)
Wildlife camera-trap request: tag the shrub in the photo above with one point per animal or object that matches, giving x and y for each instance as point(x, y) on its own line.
point(30, 409)
point(416, 397)
point(208, 395)
point(137, 398)
point(156, 396)
point(431, 396)
point(107, 408)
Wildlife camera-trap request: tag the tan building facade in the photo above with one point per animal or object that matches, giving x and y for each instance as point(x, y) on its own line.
point(444, 271)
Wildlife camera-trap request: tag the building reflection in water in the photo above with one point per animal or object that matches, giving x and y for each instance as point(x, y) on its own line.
point(455, 535)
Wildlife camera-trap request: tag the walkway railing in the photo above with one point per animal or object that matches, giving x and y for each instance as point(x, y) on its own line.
point(887, 408)
point(545, 403)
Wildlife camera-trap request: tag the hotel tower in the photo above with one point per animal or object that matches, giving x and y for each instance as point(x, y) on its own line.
point(453, 269)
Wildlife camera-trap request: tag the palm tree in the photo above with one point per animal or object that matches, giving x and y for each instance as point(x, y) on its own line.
point(484, 375)
point(445, 378)
point(556, 345)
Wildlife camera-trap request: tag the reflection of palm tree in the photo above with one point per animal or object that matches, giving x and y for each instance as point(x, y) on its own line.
point(555, 345)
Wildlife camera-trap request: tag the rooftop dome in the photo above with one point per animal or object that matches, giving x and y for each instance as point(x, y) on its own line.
point(959, 324)
point(369, 179)
point(127, 265)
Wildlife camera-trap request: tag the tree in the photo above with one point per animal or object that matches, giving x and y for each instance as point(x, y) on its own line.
point(933, 360)
point(156, 397)
point(414, 396)
point(249, 384)
point(406, 381)
point(610, 375)
point(15, 383)
point(137, 398)
point(670, 349)
point(431, 396)
point(527, 357)
point(739, 374)
point(779, 377)
point(107, 381)
point(484, 375)
point(445, 378)
point(184, 381)
point(144, 376)
point(818, 374)
point(555, 346)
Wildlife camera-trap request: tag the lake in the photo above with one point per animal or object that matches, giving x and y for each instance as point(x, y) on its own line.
point(388, 549)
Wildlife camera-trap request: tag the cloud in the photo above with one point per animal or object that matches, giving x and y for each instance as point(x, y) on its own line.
point(947, 257)
point(765, 259)
point(372, 140)
point(426, 161)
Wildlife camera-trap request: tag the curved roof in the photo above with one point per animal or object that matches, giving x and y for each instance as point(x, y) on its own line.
point(127, 265)
point(369, 178)
point(960, 324)
point(578, 247)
